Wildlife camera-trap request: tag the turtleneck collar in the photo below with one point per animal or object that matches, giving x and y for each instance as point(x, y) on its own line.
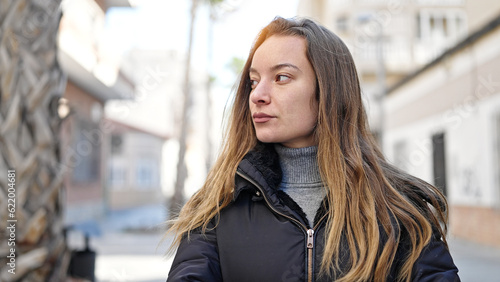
point(299, 165)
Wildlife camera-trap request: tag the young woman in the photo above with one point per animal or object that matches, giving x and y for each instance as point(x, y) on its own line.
point(301, 191)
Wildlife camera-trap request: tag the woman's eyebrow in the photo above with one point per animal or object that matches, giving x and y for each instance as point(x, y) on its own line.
point(278, 67)
point(285, 65)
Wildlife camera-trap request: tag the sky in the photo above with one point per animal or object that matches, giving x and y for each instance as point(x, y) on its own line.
point(164, 24)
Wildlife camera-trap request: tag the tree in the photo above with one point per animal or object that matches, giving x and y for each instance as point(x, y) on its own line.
point(236, 65)
point(31, 84)
point(177, 199)
point(217, 9)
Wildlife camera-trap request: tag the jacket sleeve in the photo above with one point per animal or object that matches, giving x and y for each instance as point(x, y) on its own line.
point(435, 264)
point(197, 258)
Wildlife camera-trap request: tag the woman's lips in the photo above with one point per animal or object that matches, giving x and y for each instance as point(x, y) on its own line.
point(261, 117)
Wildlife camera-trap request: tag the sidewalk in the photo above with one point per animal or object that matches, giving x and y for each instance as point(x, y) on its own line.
point(129, 249)
point(475, 262)
point(135, 257)
point(129, 246)
point(131, 257)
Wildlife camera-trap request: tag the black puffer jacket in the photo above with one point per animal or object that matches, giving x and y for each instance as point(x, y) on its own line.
point(264, 236)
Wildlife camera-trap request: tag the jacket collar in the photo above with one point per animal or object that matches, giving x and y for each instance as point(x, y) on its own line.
point(262, 165)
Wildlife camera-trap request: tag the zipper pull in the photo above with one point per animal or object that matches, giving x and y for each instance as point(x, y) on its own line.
point(310, 239)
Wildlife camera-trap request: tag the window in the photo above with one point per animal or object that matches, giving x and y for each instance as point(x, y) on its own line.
point(117, 176)
point(441, 24)
point(146, 174)
point(498, 157)
point(441, 2)
point(116, 144)
point(86, 152)
point(439, 161)
point(342, 24)
point(419, 26)
point(436, 31)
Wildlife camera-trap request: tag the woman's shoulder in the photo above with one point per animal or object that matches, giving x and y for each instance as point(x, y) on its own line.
point(435, 263)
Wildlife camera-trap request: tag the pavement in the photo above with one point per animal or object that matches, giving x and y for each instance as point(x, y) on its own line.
point(475, 262)
point(131, 257)
point(131, 247)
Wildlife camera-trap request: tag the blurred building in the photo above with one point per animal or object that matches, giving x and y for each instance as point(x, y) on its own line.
point(158, 76)
point(429, 72)
point(389, 38)
point(443, 124)
point(134, 164)
point(93, 79)
point(159, 79)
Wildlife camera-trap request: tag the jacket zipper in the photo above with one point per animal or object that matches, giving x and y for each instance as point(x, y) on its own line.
point(310, 246)
point(309, 232)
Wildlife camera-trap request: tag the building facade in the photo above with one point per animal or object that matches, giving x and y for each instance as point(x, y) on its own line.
point(159, 77)
point(391, 38)
point(134, 167)
point(429, 73)
point(443, 125)
point(93, 79)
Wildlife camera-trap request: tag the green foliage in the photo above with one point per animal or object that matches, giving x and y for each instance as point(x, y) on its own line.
point(236, 65)
point(215, 2)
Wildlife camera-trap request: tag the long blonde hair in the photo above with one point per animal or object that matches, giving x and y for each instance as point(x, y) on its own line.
point(371, 202)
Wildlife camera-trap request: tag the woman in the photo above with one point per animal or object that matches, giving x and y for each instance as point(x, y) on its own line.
point(300, 190)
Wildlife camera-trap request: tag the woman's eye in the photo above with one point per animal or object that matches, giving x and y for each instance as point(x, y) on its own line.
point(282, 78)
point(253, 83)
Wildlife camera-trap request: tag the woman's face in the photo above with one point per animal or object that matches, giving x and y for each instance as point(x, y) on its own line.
point(282, 102)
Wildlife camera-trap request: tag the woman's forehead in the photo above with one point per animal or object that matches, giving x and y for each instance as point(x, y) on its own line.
point(280, 50)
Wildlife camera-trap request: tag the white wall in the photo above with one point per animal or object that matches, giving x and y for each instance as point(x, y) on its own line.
point(472, 145)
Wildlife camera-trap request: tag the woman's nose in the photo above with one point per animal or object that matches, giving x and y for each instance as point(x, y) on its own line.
point(260, 95)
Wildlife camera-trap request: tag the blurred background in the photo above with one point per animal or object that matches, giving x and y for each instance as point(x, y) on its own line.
point(112, 112)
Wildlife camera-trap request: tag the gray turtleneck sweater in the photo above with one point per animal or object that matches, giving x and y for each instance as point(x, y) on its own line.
point(301, 178)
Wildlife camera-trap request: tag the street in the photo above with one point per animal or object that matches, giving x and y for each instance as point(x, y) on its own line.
point(138, 257)
point(475, 262)
point(131, 257)
point(131, 249)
